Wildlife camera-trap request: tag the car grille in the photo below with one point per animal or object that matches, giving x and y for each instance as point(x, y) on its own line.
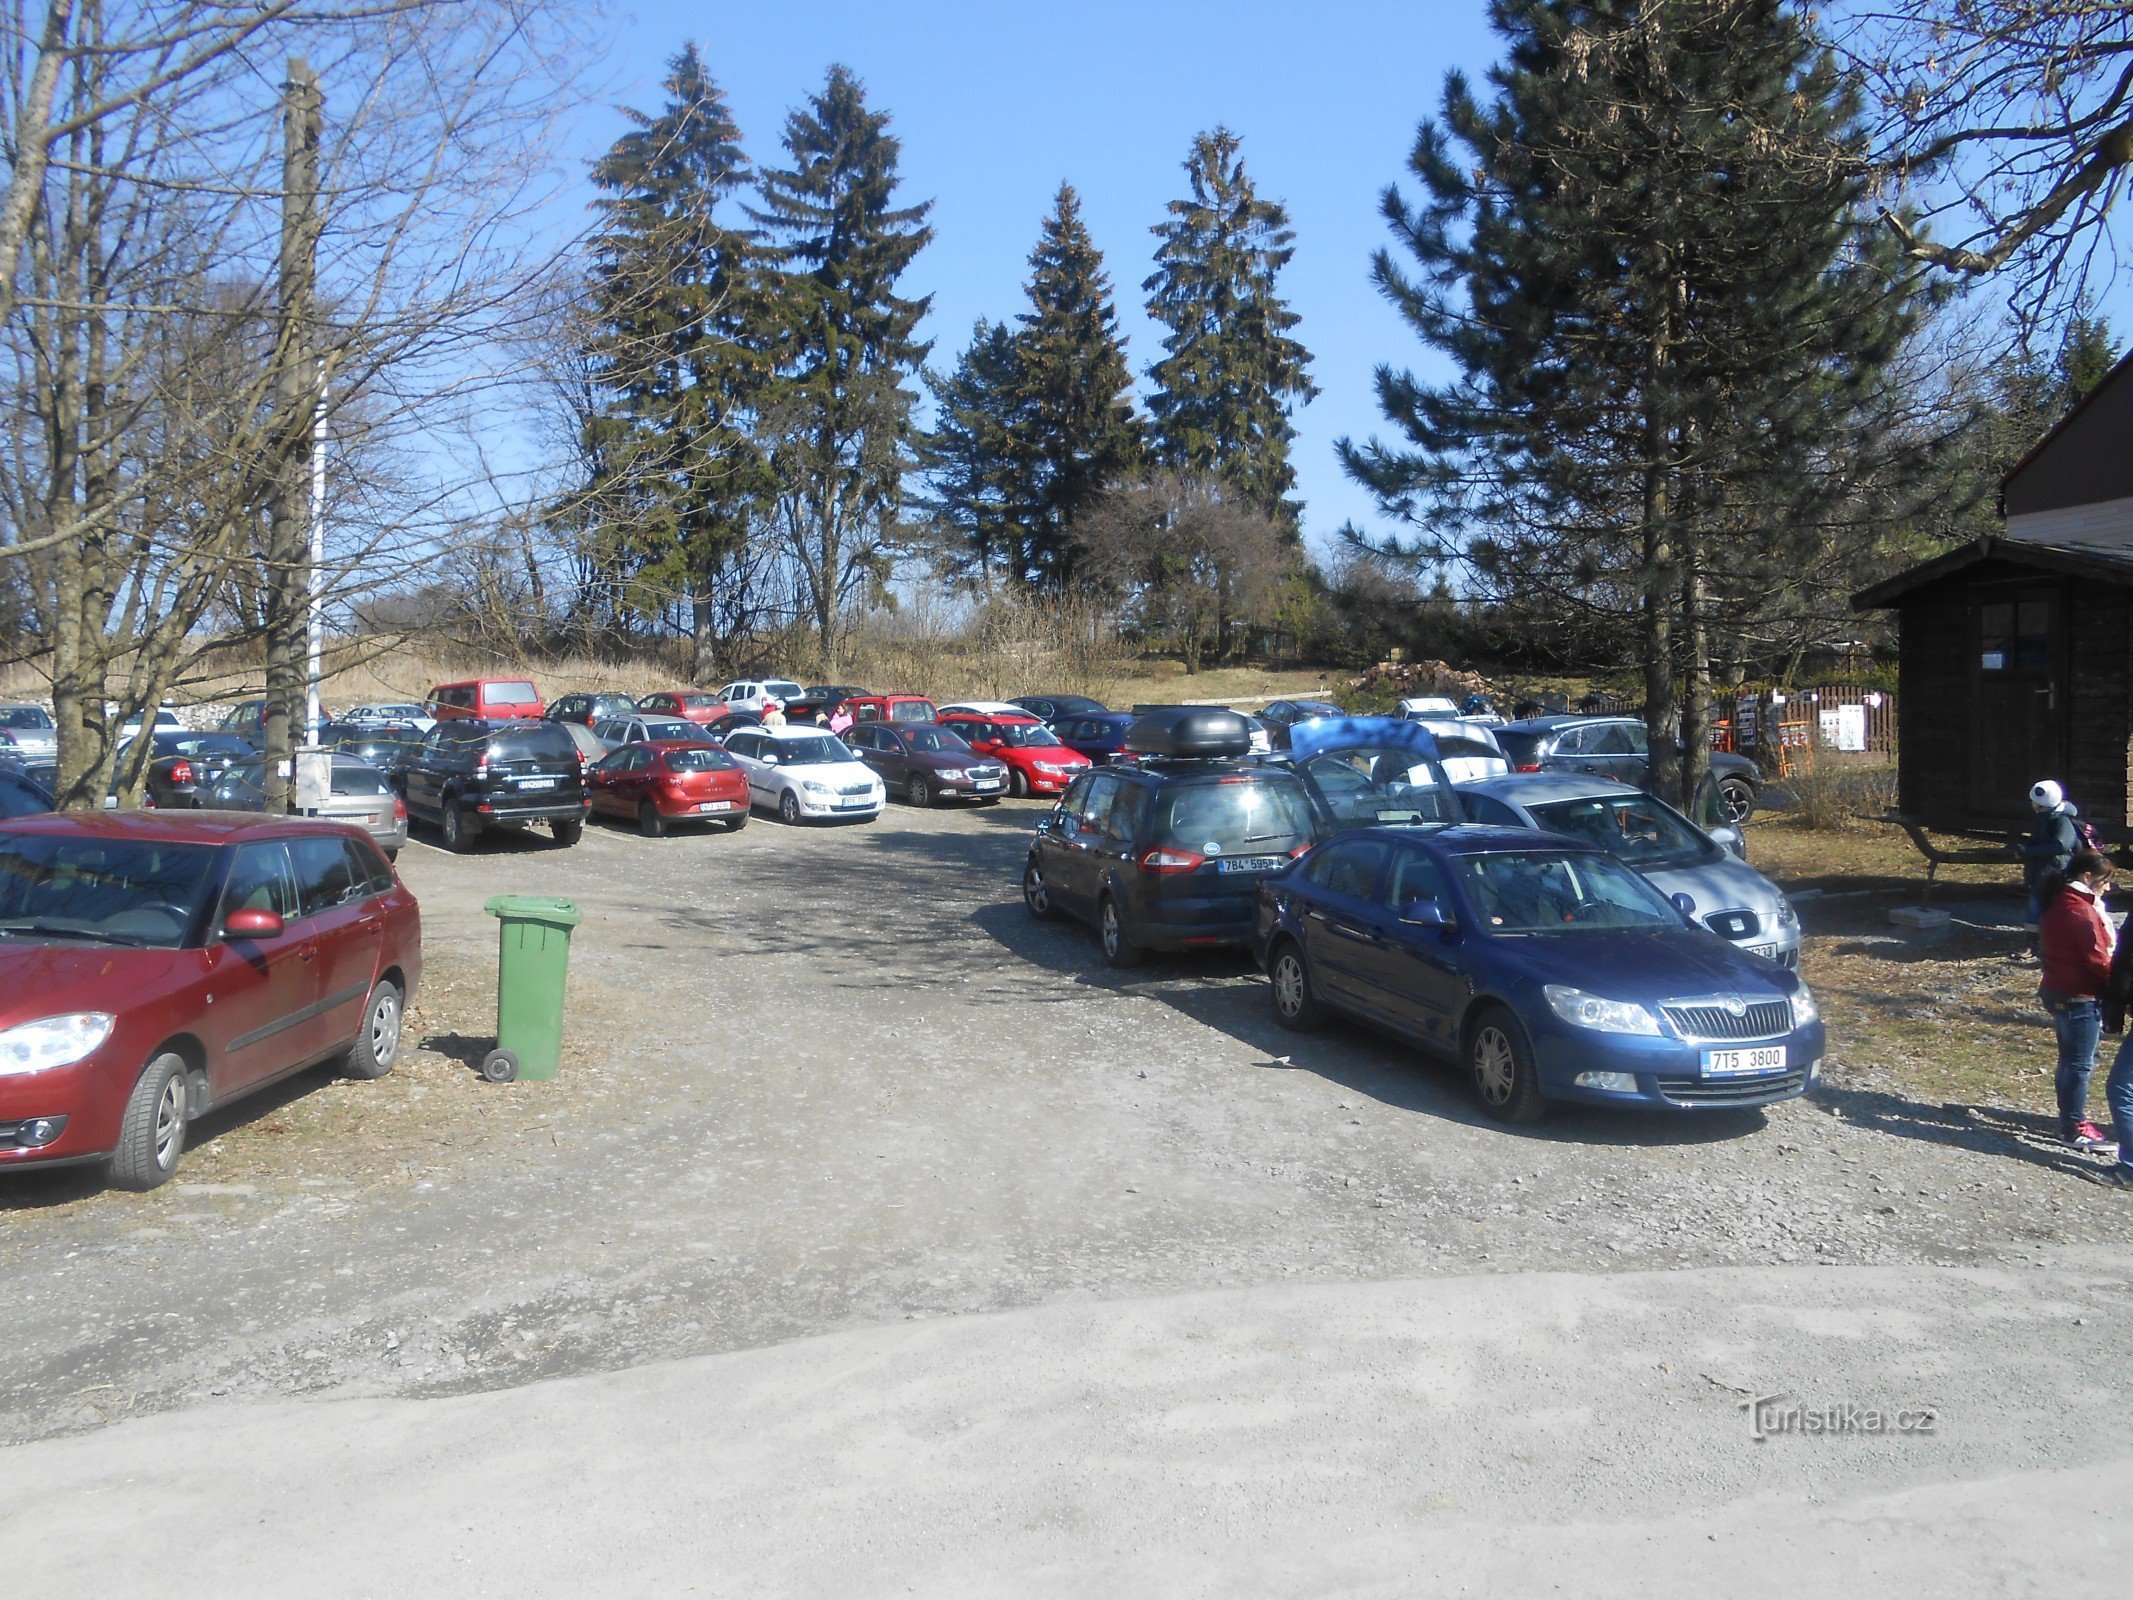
point(1733, 1091)
point(856, 788)
point(1765, 1019)
point(1734, 924)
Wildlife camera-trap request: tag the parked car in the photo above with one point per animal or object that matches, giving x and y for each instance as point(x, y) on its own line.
point(644, 727)
point(1616, 747)
point(28, 728)
point(1367, 772)
point(1052, 707)
point(803, 772)
point(22, 794)
point(1706, 880)
point(1099, 735)
point(985, 708)
point(1547, 967)
point(387, 714)
point(820, 700)
point(1423, 707)
point(589, 710)
point(1166, 853)
point(484, 700)
point(245, 719)
point(760, 694)
point(472, 775)
point(926, 764)
point(699, 706)
point(1467, 750)
point(164, 717)
point(388, 747)
point(1037, 762)
point(358, 795)
point(1282, 715)
point(891, 708)
point(591, 747)
point(1479, 708)
point(155, 966)
point(661, 785)
point(183, 767)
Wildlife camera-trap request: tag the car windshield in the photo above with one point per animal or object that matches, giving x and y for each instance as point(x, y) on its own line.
point(911, 711)
point(935, 742)
point(1370, 784)
point(56, 888)
point(1639, 829)
point(1307, 710)
point(699, 760)
point(1552, 893)
point(1235, 816)
point(24, 717)
point(203, 744)
point(809, 752)
point(510, 692)
point(1025, 736)
point(545, 742)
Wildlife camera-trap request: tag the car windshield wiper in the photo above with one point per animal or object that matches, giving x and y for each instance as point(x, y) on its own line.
point(51, 930)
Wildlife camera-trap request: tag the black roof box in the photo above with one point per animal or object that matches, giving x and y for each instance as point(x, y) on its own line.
point(1195, 732)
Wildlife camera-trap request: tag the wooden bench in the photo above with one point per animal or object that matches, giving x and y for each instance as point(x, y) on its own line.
point(2004, 853)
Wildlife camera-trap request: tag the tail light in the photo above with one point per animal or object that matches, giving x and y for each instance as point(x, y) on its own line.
point(399, 809)
point(181, 772)
point(1161, 860)
point(1527, 766)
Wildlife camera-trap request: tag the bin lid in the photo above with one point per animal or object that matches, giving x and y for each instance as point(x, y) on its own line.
point(534, 908)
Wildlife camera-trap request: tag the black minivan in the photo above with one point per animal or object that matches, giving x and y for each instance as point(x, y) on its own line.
point(472, 774)
point(1166, 851)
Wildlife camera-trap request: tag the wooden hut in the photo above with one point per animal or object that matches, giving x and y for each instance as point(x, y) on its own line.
point(2017, 649)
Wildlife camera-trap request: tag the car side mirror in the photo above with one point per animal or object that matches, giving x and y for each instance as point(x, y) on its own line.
point(767, 759)
point(1428, 914)
point(250, 922)
point(1685, 904)
point(1729, 838)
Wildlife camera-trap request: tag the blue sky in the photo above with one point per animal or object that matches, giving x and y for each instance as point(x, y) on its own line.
point(996, 103)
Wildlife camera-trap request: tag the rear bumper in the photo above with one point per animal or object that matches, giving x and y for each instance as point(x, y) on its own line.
point(509, 811)
point(694, 809)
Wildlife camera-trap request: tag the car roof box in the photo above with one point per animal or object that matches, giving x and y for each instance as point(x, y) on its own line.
point(1189, 732)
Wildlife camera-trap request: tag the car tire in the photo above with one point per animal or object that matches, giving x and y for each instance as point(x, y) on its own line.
point(1120, 952)
point(1296, 1004)
point(649, 822)
point(392, 856)
point(377, 1047)
point(734, 824)
point(789, 809)
point(918, 794)
point(457, 830)
point(1017, 784)
point(567, 833)
point(152, 1131)
point(1037, 893)
point(1737, 798)
point(1499, 1063)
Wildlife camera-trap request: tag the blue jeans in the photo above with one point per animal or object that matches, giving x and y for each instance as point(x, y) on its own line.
point(2079, 1024)
point(2118, 1094)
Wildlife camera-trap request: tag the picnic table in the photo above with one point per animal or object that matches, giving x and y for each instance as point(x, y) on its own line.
point(2002, 852)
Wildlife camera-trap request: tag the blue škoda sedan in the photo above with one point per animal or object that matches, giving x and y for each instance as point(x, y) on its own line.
point(1549, 969)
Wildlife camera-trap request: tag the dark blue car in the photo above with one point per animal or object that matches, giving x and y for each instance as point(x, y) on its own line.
point(1099, 735)
point(1549, 969)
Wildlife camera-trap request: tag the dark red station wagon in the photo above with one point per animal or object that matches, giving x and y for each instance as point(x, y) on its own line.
point(156, 965)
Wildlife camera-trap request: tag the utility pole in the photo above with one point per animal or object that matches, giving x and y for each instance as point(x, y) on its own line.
point(300, 400)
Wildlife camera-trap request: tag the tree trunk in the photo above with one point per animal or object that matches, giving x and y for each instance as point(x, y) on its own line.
point(1696, 687)
point(1661, 582)
point(703, 640)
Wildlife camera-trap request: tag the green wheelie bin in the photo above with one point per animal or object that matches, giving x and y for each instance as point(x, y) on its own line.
point(532, 961)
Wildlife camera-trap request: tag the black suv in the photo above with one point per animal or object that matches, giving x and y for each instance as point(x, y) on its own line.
point(1166, 852)
point(1615, 747)
point(470, 775)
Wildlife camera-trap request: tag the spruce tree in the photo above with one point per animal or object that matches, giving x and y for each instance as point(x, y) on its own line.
point(676, 323)
point(1650, 260)
point(841, 413)
point(975, 493)
point(1231, 374)
point(1074, 431)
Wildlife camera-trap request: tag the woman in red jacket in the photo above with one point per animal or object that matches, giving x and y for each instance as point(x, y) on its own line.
point(2077, 942)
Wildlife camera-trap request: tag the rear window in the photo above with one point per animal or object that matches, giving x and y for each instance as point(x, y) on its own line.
point(358, 780)
point(1373, 784)
point(544, 743)
point(1520, 748)
point(705, 760)
point(510, 692)
point(24, 717)
point(1254, 816)
point(911, 711)
point(779, 689)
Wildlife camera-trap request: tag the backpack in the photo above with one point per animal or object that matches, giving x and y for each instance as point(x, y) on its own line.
point(2087, 838)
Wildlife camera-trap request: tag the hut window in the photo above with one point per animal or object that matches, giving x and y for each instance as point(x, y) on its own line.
point(2015, 636)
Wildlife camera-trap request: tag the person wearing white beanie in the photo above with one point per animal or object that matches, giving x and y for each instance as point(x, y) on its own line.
point(2053, 839)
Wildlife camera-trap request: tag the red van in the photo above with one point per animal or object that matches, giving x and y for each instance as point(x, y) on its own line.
point(492, 699)
point(889, 708)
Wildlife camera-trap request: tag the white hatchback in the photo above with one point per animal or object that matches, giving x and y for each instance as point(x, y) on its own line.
point(756, 694)
point(804, 772)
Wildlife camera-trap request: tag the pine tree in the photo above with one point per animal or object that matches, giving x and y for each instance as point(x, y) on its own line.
point(975, 493)
point(1074, 431)
point(1650, 261)
point(841, 413)
point(1231, 375)
point(677, 320)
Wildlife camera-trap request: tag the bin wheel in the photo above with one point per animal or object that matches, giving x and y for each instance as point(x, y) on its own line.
point(499, 1066)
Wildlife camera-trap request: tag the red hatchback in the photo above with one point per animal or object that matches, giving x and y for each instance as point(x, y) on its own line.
point(1036, 762)
point(663, 782)
point(154, 965)
point(695, 705)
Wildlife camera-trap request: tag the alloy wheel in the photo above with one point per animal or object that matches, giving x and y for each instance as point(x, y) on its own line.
point(170, 1122)
point(1289, 987)
point(384, 1033)
point(1495, 1064)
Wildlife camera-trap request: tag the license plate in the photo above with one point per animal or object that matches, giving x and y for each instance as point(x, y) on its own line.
point(1734, 1063)
point(715, 805)
point(985, 783)
point(1251, 863)
point(855, 805)
point(537, 783)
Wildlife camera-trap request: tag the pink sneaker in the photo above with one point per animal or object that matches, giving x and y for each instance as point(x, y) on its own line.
point(2087, 1136)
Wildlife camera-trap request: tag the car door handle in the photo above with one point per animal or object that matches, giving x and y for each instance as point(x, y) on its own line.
point(308, 953)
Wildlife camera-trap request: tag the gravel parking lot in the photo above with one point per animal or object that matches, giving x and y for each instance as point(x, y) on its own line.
point(821, 1079)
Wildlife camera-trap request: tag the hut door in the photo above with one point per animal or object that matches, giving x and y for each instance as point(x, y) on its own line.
point(2020, 702)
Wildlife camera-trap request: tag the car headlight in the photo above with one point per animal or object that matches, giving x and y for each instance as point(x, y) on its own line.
point(1584, 1010)
point(52, 1041)
point(1787, 916)
point(1804, 1009)
point(1052, 767)
point(952, 774)
point(813, 787)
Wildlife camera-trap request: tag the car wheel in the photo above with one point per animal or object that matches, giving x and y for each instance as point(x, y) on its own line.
point(152, 1132)
point(650, 823)
point(735, 823)
point(1500, 1062)
point(918, 794)
point(458, 831)
point(1017, 784)
point(1119, 949)
point(1036, 893)
point(1296, 1004)
point(568, 833)
point(377, 1047)
point(1737, 797)
point(789, 809)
